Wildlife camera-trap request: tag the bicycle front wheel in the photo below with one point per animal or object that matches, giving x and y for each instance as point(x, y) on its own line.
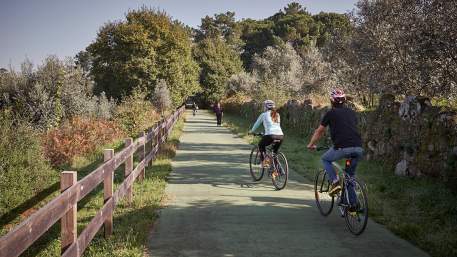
point(255, 168)
point(324, 201)
point(280, 175)
point(357, 220)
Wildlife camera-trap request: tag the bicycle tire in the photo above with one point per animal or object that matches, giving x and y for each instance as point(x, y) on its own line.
point(324, 201)
point(361, 215)
point(254, 164)
point(280, 181)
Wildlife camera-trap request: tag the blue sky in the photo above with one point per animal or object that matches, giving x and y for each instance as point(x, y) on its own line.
point(37, 28)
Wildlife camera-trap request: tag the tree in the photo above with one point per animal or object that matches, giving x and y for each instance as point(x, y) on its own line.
point(294, 8)
point(221, 25)
point(83, 59)
point(328, 24)
point(405, 47)
point(218, 61)
point(279, 72)
point(139, 51)
point(292, 25)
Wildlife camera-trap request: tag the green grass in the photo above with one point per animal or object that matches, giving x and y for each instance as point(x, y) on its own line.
point(132, 223)
point(420, 210)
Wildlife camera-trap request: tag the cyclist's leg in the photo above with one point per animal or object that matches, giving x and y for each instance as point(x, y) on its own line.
point(264, 142)
point(275, 149)
point(327, 158)
point(278, 144)
point(355, 153)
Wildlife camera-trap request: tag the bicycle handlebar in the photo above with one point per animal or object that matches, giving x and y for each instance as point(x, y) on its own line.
point(322, 148)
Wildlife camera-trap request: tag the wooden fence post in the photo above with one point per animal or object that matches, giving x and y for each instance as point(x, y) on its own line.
point(128, 169)
point(68, 221)
point(142, 155)
point(159, 134)
point(151, 144)
point(108, 154)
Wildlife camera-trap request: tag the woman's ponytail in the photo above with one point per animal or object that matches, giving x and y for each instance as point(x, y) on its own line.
point(274, 115)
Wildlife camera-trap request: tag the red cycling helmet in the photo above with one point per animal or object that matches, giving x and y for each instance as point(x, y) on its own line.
point(337, 96)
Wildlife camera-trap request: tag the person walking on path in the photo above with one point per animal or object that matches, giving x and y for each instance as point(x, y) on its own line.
point(219, 113)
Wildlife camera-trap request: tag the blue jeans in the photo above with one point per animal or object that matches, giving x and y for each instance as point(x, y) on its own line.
point(353, 153)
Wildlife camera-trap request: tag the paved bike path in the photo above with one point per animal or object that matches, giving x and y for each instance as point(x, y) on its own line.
point(214, 209)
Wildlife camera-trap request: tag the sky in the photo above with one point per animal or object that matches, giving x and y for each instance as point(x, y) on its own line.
point(34, 29)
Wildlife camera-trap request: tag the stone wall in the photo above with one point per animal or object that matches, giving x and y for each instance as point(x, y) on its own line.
point(414, 137)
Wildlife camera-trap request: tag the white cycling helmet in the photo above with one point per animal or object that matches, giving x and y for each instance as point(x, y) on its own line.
point(337, 96)
point(268, 105)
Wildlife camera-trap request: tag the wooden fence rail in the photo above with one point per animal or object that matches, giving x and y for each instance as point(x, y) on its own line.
point(64, 206)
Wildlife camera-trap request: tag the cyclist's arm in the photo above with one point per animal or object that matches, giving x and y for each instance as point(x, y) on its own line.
point(257, 123)
point(318, 133)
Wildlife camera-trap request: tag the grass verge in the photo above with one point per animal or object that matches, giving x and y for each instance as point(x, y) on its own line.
point(420, 210)
point(132, 223)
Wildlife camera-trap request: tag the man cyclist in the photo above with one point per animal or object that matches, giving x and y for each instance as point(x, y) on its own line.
point(346, 139)
point(271, 123)
point(194, 108)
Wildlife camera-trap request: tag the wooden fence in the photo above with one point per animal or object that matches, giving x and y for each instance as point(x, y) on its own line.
point(64, 206)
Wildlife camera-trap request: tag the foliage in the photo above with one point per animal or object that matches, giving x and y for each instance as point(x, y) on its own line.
point(24, 171)
point(53, 92)
point(279, 72)
point(78, 136)
point(400, 47)
point(218, 61)
point(135, 113)
point(161, 96)
point(222, 25)
point(294, 25)
point(134, 53)
point(318, 74)
point(241, 83)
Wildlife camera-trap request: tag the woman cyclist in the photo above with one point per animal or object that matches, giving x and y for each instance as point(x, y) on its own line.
point(271, 123)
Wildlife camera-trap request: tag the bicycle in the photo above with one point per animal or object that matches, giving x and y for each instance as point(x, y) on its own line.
point(356, 221)
point(278, 169)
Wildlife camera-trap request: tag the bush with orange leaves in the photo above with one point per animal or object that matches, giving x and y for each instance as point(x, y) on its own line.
point(77, 137)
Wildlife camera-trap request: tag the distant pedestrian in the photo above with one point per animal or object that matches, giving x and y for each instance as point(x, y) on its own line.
point(219, 113)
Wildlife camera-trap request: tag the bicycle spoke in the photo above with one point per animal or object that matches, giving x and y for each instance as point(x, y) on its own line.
point(324, 201)
point(357, 221)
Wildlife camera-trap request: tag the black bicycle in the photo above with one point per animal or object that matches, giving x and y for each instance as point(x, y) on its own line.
point(357, 217)
point(277, 167)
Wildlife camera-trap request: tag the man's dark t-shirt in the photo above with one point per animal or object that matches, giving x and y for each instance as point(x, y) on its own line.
point(343, 127)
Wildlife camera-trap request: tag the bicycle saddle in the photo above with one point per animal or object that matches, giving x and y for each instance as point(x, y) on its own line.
point(352, 156)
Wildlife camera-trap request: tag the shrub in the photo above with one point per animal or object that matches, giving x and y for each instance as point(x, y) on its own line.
point(78, 136)
point(161, 97)
point(51, 93)
point(24, 171)
point(135, 114)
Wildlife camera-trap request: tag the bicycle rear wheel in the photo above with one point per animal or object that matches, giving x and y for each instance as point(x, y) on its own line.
point(357, 221)
point(324, 201)
point(280, 176)
point(255, 168)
